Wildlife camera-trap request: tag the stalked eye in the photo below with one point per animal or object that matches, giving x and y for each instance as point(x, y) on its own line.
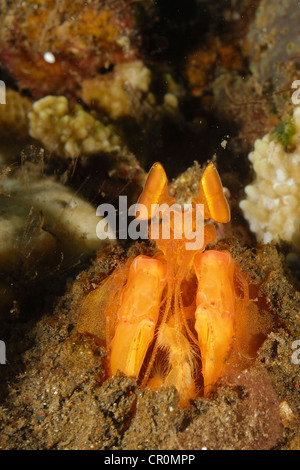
point(155, 191)
point(212, 189)
point(211, 195)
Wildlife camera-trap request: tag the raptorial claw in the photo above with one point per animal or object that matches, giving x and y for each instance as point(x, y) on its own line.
point(137, 315)
point(215, 312)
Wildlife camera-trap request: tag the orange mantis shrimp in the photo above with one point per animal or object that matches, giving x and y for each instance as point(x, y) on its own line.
point(171, 317)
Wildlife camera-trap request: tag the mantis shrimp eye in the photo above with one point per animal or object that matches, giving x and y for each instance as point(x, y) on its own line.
point(211, 194)
point(155, 191)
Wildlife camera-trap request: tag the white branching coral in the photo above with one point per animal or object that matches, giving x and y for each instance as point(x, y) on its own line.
point(272, 207)
point(69, 133)
point(117, 91)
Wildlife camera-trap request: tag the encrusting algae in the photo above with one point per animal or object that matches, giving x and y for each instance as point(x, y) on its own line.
point(82, 38)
